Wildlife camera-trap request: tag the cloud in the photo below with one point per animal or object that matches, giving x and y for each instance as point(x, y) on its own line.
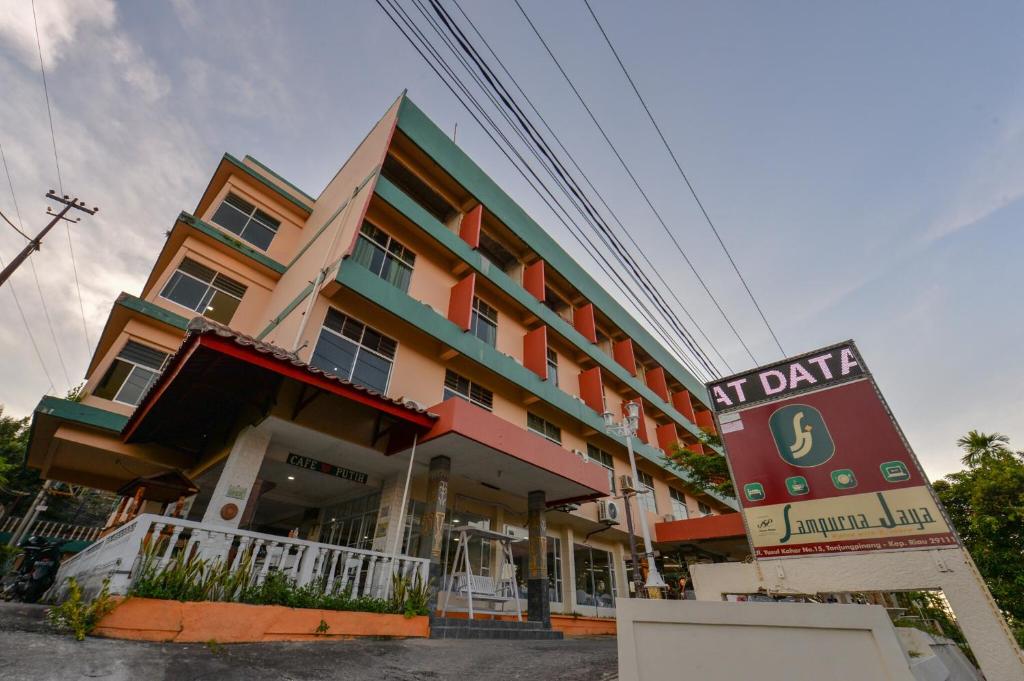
point(59, 24)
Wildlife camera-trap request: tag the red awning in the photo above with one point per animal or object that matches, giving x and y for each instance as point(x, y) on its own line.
point(725, 526)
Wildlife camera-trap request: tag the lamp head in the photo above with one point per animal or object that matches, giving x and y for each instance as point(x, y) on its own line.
point(633, 411)
point(609, 419)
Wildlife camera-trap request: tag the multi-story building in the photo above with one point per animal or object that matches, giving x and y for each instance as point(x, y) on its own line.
point(289, 354)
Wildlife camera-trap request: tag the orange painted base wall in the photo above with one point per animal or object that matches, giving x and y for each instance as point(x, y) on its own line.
point(147, 619)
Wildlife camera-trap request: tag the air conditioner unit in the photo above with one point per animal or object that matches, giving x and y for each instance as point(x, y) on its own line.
point(516, 532)
point(608, 512)
point(626, 483)
point(582, 454)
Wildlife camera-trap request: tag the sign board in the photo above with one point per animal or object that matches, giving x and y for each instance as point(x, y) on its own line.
point(819, 464)
point(327, 468)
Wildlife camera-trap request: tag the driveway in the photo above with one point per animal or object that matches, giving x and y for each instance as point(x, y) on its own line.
point(30, 651)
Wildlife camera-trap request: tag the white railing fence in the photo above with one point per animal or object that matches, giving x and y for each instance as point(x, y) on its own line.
point(121, 557)
point(52, 529)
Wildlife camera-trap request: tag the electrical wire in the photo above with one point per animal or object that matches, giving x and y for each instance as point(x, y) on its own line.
point(508, 150)
point(60, 181)
point(682, 173)
point(28, 329)
point(636, 182)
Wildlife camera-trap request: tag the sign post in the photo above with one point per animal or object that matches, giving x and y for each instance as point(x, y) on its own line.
point(833, 497)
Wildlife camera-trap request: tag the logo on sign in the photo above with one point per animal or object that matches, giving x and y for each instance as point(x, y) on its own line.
point(801, 436)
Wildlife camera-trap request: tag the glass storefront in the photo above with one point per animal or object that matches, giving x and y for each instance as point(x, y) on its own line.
point(595, 577)
point(352, 523)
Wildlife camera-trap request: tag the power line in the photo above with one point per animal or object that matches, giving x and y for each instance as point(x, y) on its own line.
point(508, 150)
point(590, 184)
point(60, 182)
point(636, 182)
point(689, 185)
point(28, 329)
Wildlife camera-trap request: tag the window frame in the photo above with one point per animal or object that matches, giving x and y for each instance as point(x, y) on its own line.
point(552, 364)
point(360, 348)
point(545, 424)
point(703, 509)
point(595, 453)
point(647, 500)
point(468, 396)
point(250, 218)
point(678, 498)
point(390, 256)
point(489, 315)
point(134, 366)
point(210, 286)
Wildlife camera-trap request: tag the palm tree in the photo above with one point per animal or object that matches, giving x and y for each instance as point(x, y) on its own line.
point(981, 446)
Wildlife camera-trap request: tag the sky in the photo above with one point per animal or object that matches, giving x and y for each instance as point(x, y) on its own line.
point(864, 162)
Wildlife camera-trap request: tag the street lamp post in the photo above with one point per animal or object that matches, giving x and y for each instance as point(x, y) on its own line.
point(627, 428)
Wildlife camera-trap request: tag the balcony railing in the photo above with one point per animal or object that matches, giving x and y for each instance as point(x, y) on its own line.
point(52, 529)
point(120, 556)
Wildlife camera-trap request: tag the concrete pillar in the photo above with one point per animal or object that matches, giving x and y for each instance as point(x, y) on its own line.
point(389, 516)
point(568, 571)
point(432, 523)
point(621, 583)
point(538, 607)
point(237, 479)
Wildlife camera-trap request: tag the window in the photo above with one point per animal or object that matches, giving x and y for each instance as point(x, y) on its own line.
point(545, 429)
point(646, 497)
point(703, 508)
point(595, 576)
point(679, 510)
point(416, 189)
point(203, 290)
point(605, 459)
point(351, 350)
point(240, 217)
point(460, 386)
point(553, 367)
point(378, 252)
point(131, 374)
point(554, 570)
point(484, 322)
point(352, 523)
point(495, 253)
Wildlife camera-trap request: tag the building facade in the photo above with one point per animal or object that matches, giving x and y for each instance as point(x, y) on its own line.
point(299, 358)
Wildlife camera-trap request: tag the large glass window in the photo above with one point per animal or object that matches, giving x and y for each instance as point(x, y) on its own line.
point(679, 509)
point(484, 322)
point(595, 576)
point(605, 459)
point(352, 523)
point(131, 374)
point(384, 256)
point(351, 350)
point(247, 221)
point(646, 498)
point(703, 508)
point(460, 386)
point(545, 429)
point(553, 367)
point(203, 290)
point(554, 569)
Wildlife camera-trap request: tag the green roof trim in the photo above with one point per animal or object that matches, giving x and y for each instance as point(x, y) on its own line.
point(438, 146)
point(219, 235)
point(291, 198)
point(152, 310)
point(263, 166)
point(81, 413)
point(286, 311)
point(361, 281)
point(448, 239)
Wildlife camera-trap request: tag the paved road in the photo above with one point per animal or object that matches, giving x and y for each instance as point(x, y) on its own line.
point(29, 651)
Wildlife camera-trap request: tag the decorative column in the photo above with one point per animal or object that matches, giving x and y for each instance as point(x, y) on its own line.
point(389, 516)
point(237, 479)
point(538, 607)
point(432, 523)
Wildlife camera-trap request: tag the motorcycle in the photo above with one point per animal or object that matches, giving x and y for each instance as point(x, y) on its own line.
point(36, 572)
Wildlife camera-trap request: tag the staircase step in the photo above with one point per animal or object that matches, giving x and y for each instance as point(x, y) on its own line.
point(453, 622)
point(495, 633)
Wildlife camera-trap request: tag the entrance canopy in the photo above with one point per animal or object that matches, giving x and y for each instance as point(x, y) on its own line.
point(502, 456)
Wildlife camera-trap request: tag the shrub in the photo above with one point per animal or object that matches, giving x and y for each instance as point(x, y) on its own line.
point(77, 616)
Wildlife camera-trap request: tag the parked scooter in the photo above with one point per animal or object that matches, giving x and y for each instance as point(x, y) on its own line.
point(36, 572)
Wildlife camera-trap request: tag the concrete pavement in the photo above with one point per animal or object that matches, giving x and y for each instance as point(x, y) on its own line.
point(28, 650)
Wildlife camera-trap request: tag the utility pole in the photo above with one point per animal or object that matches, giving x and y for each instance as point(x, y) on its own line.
point(36, 244)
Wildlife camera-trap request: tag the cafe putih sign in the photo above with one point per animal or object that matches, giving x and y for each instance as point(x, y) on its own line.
point(312, 464)
point(819, 463)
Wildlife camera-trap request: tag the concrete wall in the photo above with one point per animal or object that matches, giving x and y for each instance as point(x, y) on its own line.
point(950, 570)
point(764, 641)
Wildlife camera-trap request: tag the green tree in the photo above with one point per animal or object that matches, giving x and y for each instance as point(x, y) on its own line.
point(979, 446)
point(707, 472)
point(985, 501)
point(13, 441)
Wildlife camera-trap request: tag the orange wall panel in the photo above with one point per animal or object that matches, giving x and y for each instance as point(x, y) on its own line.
point(469, 230)
point(592, 389)
point(583, 321)
point(533, 280)
point(460, 305)
point(535, 351)
point(681, 401)
point(668, 437)
point(656, 381)
point(623, 353)
point(706, 421)
point(696, 448)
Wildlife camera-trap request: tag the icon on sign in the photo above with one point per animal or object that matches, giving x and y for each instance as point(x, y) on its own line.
point(797, 485)
point(754, 491)
point(895, 471)
point(844, 479)
point(801, 435)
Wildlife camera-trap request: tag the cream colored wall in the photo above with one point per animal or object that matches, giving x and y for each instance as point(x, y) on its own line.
point(249, 316)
